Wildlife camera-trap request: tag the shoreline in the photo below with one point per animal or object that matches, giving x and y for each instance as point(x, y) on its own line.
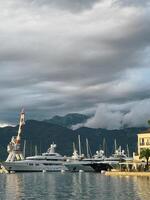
point(142, 174)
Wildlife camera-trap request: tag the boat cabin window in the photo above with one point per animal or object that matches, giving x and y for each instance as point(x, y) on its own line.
point(51, 159)
point(49, 154)
point(51, 164)
point(35, 159)
point(30, 164)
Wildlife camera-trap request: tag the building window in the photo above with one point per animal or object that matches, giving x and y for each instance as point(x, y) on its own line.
point(142, 142)
point(148, 142)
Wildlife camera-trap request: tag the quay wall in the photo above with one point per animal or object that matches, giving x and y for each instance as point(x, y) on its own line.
point(127, 173)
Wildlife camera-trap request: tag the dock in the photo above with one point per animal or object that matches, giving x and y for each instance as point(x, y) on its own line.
point(118, 173)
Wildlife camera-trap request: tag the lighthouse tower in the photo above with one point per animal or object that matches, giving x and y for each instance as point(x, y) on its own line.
point(14, 147)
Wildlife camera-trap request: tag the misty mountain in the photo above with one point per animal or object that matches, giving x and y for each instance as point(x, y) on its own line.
point(68, 120)
point(43, 134)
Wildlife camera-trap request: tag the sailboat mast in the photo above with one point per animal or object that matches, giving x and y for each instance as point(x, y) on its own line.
point(104, 145)
point(74, 148)
point(128, 153)
point(87, 148)
point(115, 145)
point(36, 151)
point(79, 145)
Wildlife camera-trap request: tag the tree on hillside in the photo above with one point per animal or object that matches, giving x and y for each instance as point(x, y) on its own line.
point(145, 153)
point(148, 122)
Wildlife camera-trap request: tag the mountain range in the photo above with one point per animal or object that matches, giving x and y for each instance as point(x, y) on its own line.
point(68, 120)
point(43, 133)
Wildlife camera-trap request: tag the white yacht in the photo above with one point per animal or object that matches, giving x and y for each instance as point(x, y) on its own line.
point(16, 161)
point(78, 162)
point(49, 161)
point(94, 164)
point(118, 157)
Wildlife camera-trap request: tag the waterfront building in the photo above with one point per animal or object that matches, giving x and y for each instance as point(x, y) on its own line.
point(143, 141)
point(138, 164)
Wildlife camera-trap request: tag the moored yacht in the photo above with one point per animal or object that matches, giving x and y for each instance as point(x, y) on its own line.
point(118, 157)
point(49, 161)
point(79, 163)
point(76, 162)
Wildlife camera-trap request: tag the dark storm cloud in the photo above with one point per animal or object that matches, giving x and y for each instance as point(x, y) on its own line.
point(73, 56)
point(73, 6)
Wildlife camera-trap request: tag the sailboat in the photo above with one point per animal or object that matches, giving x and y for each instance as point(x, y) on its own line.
point(79, 163)
point(118, 156)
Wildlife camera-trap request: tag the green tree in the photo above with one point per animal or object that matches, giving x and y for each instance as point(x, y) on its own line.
point(148, 122)
point(145, 153)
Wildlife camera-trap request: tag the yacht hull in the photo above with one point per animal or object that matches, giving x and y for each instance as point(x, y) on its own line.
point(87, 167)
point(98, 167)
point(76, 167)
point(20, 166)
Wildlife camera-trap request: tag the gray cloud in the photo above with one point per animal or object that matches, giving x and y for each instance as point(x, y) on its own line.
point(74, 6)
point(135, 114)
point(72, 56)
point(132, 2)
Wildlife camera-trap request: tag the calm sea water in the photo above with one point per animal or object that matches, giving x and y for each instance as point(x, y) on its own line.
point(88, 186)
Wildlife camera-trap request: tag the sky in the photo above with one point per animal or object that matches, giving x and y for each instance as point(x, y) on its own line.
point(85, 56)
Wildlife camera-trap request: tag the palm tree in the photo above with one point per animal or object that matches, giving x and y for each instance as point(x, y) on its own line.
point(145, 153)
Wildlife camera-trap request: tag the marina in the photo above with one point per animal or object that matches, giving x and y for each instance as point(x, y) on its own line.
point(75, 100)
point(51, 161)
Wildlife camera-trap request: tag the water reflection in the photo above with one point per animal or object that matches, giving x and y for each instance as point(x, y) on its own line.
point(143, 187)
point(11, 187)
point(74, 186)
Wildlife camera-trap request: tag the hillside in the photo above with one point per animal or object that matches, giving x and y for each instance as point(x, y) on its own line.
point(68, 120)
point(105, 138)
point(43, 134)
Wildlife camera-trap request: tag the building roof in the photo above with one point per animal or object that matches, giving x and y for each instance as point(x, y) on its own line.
point(144, 132)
